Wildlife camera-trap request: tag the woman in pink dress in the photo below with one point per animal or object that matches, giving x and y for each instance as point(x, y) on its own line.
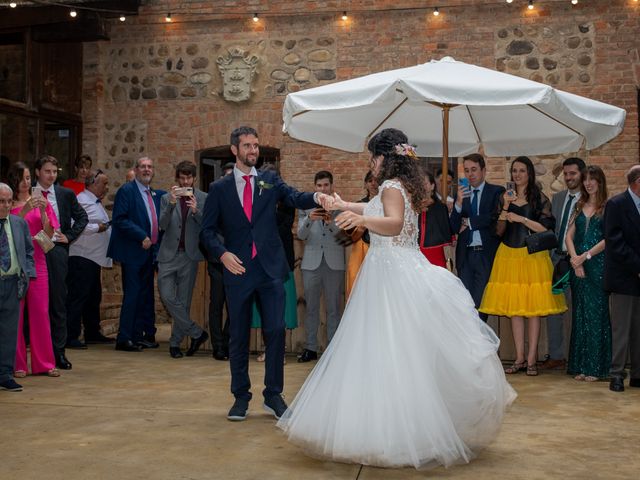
point(39, 215)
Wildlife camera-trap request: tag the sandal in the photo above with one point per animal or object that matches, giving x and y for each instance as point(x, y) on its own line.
point(580, 377)
point(19, 374)
point(591, 378)
point(261, 357)
point(516, 367)
point(54, 372)
point(532, 370)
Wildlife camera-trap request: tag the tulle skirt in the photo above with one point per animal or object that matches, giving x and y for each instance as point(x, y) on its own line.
point(411, 377)
point(520, 285)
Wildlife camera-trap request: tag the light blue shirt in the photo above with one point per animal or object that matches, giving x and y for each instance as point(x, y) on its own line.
point(636, 199)
point(143, 191)
point(476, 240)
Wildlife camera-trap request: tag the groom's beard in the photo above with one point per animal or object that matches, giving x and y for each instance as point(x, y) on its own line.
point(249, 161)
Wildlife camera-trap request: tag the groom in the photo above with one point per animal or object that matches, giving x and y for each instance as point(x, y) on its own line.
point(242, 208)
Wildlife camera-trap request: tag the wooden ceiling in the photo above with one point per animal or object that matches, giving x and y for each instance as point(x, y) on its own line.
point(49, 21)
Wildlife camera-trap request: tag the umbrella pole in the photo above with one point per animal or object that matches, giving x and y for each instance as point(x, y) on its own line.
point(445, 152)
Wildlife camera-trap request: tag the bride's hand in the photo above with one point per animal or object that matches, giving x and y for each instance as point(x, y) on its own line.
point(347, 220)
point(338, 203)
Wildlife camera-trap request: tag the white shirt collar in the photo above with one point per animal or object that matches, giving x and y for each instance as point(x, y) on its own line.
point(238, 174)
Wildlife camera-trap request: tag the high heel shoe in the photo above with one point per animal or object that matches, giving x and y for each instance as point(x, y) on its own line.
point(19, 374)
point(516, 367)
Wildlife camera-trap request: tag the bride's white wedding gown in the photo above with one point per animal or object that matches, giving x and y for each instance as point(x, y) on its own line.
point(411, 377)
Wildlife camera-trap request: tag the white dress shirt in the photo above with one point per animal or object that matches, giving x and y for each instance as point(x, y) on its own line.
point(92, 244)
point(145, 199)
point(240, 183)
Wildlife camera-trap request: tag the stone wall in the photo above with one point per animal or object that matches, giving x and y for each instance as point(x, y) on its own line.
point(157, 88)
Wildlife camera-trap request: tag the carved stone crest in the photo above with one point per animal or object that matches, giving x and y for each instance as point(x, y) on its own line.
point(237, 69)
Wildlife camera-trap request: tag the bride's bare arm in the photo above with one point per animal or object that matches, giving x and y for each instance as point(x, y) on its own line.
point(389, 225)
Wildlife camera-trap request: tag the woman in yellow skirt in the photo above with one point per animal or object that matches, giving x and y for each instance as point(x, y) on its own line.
point(359, 237)
point(520, 283)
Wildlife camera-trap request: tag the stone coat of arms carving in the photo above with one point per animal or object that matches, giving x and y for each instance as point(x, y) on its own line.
point(237, 69)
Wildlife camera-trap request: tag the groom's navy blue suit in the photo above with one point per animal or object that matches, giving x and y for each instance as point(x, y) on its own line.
point(265, 273)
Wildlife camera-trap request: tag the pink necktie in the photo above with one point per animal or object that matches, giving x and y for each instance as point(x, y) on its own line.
point(154, 218)
point(247, 204)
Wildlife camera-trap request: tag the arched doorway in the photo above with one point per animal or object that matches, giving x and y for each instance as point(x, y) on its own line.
point(211, 161)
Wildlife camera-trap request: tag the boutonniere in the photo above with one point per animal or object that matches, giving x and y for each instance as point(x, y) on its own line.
point(262, 184)
point(153, 193)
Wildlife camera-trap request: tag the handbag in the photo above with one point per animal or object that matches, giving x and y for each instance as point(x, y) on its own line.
point(46, 244)
point(560, 278)
point(537, 242)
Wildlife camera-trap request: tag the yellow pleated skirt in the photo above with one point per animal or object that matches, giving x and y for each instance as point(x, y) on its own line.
point(520, 285)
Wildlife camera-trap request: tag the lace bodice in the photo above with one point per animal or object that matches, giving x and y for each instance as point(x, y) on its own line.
point(408, 236)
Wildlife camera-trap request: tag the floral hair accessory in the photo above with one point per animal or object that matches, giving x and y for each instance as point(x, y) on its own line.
point(406, 150)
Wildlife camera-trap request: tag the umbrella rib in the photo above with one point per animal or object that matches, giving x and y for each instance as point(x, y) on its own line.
point(558, 121)
point(387, 117)
point(473, 122)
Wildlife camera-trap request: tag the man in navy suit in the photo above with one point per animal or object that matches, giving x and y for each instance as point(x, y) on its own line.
point(474, 216)
point(242, 208)
point(134, 241)
point(622, 279)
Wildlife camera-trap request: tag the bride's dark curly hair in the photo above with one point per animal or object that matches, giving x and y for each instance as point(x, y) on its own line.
point(405, 169)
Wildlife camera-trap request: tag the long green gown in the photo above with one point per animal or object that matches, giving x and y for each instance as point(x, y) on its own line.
point(590, 349)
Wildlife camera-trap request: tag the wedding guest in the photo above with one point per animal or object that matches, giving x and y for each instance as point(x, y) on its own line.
point(359, 237)
point(434, 229)
point(322, 266)
point(82, 167)
point(449, 201)
point(72, 219)
point(16, 268)
point(622, 279)
point(562, 204)
point(40, 217)
point(590, 347)
point(474, 218)
point(87, 256)
point(520, 283)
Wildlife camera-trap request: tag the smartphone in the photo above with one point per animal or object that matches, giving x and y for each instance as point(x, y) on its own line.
point(183, 192)
point(36, 192)
point(463, 182)
point(511, 188)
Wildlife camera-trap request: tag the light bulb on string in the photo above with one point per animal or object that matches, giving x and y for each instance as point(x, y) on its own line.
point(530, 6)
point(73, 13)
point(574, 2)
point(255, 17)
point(13, 4)
point(168, 17)
point(436, 12)
point(345, 17)
point(509, 1)
point(122, 18)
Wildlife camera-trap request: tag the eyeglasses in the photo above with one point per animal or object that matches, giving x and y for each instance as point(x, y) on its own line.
point(92, 179)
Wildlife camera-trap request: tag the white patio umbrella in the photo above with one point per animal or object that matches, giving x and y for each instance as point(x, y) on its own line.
point(451, 108)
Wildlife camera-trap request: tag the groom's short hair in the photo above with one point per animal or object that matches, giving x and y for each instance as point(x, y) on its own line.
point(238, 132)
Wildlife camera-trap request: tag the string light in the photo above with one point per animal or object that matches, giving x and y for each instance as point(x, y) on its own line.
point(509, 1)
point(530, 6)
point(255, 17)
point(574, 2)
point(436, 12)
point(122, 18)
point(73, 13)
point(345, 17)
point(168, 17)
point(13, 4)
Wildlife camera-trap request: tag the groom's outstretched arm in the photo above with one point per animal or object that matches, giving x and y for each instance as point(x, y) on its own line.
point(292, 197)
point(210, 217)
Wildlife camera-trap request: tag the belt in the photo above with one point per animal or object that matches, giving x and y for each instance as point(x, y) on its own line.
point(9, 277)
point(475, 248)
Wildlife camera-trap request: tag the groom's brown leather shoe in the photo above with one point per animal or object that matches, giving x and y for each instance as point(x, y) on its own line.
point(551, 364)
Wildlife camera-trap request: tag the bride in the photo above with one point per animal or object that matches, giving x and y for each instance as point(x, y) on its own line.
point(411, 377)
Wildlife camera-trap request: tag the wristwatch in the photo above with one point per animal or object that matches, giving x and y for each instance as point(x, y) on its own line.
point(588, 256)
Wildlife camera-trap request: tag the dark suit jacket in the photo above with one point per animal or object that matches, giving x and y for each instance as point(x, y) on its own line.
point(130, 225)
point(485, 222)
point(24, 251)
point(622, 246)
point(223, 214)
point(68, 209)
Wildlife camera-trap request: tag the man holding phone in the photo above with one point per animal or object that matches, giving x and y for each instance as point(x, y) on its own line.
point(474, 217)
point(322, 267)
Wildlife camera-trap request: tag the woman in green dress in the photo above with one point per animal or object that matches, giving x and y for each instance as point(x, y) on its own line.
point(590, 349)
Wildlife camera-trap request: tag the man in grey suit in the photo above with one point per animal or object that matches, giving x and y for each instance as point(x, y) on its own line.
point(322, 268)
point(178, 257)
point(562, 205)
point(16, 267)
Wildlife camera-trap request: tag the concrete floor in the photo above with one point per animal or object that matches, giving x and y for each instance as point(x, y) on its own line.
point(120, 415)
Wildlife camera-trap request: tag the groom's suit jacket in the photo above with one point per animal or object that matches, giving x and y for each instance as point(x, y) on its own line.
point(223, 214)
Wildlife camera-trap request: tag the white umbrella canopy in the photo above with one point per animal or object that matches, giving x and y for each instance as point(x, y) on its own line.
point(451, 108)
